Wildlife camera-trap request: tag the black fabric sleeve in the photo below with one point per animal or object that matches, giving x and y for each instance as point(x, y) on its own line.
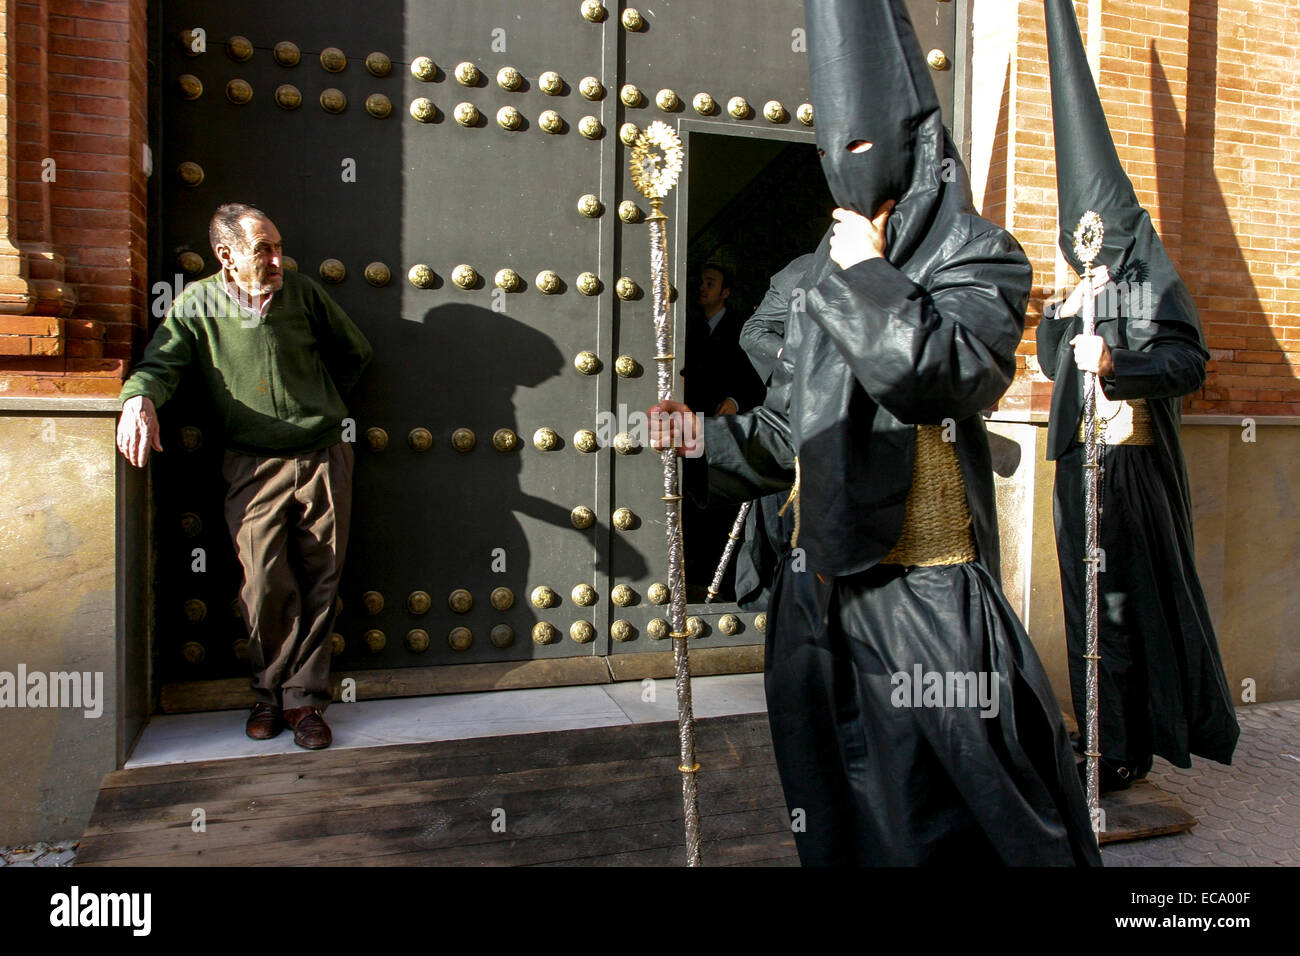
point(928, 354)
point(1168, 369)
point(1049, 335)
point(745, 457)
point(763, 334)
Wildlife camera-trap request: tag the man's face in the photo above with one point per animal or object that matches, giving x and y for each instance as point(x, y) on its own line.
point(712, 295)
point(254, 264)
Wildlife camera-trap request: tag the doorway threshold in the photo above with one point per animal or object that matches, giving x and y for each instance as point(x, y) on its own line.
point(219, 735)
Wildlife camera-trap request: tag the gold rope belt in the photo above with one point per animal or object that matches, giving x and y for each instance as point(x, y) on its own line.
point(1128, 424)
point(937, 521)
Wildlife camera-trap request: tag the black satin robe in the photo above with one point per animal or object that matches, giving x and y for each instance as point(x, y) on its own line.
point(870, 352)
point(766, 538)
point(1162, 689)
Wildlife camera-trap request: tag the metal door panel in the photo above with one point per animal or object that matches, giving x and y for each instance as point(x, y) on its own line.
point(361, 189)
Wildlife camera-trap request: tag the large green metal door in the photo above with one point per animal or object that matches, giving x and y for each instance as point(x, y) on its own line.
point(470, 211)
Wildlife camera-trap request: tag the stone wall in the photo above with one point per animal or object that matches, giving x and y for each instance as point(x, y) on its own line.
point(59, 612)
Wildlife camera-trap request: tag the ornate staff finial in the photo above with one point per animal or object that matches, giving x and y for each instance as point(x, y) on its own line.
point(1087, 237)
point(656, 160)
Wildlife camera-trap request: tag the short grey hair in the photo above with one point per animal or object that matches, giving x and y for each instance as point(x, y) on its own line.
point(225, 229)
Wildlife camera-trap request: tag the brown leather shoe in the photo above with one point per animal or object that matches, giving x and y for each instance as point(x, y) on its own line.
point(266, 721)
point(309, 727)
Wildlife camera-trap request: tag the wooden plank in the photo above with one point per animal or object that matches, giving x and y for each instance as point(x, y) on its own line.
point(748, 849)
point(731, 840)
point(618, 740)
point(570, 797)
point(271, 806)
point(256, 787)
point(528, 811)
point(1142, 815)
point(661, 842)
point(1142, 791)
point(462, 831)
point(259, 794)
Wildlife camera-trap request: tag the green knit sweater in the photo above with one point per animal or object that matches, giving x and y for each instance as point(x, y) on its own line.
point(278, 381)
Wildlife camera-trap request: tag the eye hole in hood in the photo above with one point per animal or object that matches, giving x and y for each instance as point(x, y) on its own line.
point(870, 84)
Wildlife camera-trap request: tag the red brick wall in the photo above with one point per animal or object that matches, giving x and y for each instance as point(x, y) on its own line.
point(79, 73)
point(1203, 99)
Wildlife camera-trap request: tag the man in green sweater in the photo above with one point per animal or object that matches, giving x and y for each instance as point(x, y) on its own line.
point(277, 356)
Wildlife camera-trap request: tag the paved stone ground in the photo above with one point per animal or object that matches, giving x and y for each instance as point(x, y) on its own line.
point(1247, 814)
point(39, 854)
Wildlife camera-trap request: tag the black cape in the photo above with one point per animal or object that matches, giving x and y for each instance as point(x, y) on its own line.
point(926, 336)
point(1162, 686)
point(766, 538)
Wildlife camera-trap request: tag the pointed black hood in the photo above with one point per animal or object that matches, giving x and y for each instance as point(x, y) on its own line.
point(1089, 176)
point(870, 81)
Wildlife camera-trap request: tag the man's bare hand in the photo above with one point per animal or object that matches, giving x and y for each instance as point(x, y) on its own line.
point(727, 406)
point(674, 425)
point(1092, 354)
point(856, 238)
point(1071, 306)
point(137, 431)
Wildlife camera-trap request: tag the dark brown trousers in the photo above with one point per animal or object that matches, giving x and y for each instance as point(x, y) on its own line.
point(288, 517)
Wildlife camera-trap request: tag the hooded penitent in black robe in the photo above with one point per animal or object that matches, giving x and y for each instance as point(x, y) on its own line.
point(924, 337)
point(766, 537)
point(1162, 689)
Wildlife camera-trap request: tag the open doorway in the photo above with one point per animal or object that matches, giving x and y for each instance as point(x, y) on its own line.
point(753, 205)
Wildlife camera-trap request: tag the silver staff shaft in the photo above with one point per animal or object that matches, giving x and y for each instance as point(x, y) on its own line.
point(733, 538)
point(1091, 562)
point(1088, 237)
point(657, 222)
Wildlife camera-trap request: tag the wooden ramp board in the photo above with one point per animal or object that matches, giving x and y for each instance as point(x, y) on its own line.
point(1142, 811)
point(606, 796)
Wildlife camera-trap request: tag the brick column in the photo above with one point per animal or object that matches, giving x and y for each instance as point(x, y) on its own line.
point(73, 266)
point(15, 294)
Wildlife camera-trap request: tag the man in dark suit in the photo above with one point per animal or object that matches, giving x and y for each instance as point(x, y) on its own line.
point(718, 374)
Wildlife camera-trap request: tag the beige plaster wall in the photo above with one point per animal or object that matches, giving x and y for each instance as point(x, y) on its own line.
point(1013, 447)
point(57, 613)
point(1246, 510)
